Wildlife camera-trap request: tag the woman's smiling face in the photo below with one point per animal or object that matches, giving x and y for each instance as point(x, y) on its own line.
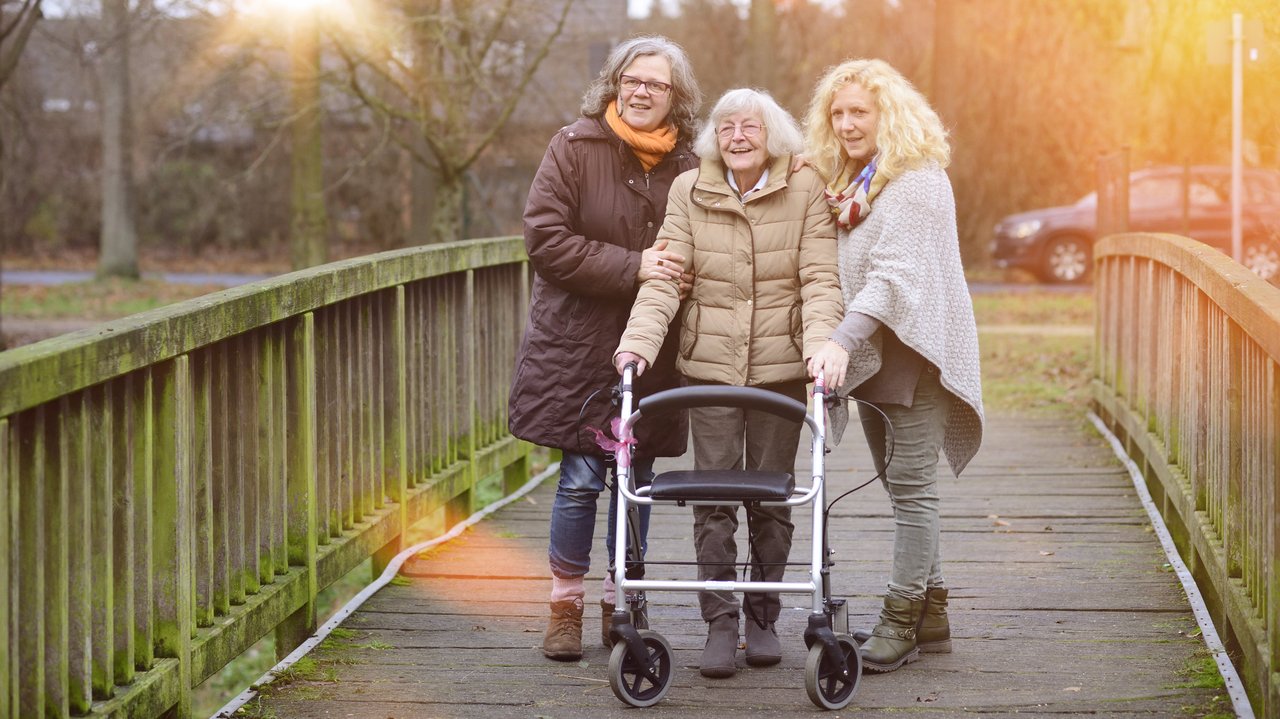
point(855, 117)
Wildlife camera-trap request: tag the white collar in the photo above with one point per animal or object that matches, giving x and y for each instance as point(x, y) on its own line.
point(764, 178)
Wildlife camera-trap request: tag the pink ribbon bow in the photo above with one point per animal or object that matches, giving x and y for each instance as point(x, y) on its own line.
point(621, 448)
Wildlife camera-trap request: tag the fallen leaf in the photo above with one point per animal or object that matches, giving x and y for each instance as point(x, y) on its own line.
point(1000, 523)
point(1071, 689)
point(1046, 554)
point(930, 697)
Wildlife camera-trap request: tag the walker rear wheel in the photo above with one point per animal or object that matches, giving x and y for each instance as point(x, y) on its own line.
point(823, 674)
point(642, 681)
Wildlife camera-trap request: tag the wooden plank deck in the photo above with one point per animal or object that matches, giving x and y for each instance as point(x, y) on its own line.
point(1060, 606)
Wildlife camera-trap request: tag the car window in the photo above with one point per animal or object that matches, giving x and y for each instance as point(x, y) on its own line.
point(1153, 192)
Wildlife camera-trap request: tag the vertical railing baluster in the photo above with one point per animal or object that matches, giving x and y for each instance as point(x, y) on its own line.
point(301, 535)
point(172, 516)
point(144, 442)
point(8, 509)
point(75, 447)
point(249, 429)
point(392, 410)
point(233, 476)
point(345, 427)
point(220, 480)
point(326, 464)
point(119, 393)
point(100, 538)
point(56, 524)
point(26, 497)
point(265, 455)
point(202, 478)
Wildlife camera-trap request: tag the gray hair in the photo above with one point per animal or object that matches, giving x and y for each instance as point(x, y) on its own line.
point(686, 97)
point(782, 132)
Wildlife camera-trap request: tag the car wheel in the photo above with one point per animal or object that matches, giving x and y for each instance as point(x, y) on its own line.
point(1262, 257)
point(1066, 259)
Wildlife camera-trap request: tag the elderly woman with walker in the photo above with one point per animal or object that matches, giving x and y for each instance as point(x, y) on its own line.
point(759, 240)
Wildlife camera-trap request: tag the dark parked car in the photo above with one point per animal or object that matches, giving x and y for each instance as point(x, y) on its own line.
point(1056, 243)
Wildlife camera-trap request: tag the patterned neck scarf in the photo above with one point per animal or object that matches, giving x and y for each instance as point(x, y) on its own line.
point(852, 204)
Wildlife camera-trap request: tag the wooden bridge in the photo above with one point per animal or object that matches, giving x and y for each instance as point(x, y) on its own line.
point(182, 482)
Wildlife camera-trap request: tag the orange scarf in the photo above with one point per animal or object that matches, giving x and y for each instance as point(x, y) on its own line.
point(649, 147)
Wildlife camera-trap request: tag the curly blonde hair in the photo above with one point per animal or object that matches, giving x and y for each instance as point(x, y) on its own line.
point(908, 132)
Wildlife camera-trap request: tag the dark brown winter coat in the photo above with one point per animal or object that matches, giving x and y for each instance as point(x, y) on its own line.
point(592, 209)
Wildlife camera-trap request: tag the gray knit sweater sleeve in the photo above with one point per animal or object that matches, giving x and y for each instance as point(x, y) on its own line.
point(854, 329)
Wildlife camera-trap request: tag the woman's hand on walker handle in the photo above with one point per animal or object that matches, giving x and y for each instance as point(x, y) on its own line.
point(624, 358)
point(659, 263)
point(832, 361)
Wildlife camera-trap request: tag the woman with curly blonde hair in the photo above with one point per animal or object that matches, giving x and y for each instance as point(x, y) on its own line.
point(908, 332)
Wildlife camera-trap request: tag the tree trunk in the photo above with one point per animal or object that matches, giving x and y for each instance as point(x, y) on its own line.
point(119, 240)
point(309, 227)
point(446, 222)
point(763, 43)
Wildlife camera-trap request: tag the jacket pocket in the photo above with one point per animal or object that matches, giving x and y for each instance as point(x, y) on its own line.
point(689, 333)
point(797, 330)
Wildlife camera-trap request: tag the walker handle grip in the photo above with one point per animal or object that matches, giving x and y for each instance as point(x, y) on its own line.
point(724, 396)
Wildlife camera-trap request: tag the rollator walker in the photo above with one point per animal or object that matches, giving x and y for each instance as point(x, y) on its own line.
point(641, 666)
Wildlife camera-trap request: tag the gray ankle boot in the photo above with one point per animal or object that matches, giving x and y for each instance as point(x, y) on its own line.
point(720, 654)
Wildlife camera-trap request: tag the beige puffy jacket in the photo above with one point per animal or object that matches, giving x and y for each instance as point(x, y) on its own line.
point(766, 294)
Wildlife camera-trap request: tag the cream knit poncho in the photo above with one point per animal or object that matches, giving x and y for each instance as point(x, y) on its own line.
point(901, 265)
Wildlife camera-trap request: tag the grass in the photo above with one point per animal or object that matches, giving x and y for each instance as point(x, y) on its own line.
point(1034, 307)
point(1035, 374)
point(98, 300)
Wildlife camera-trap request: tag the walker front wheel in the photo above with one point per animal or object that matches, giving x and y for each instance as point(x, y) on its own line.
point(642, 681)
point(825, 679)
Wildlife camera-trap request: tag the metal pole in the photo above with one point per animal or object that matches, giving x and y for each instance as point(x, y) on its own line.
point(1237, 132)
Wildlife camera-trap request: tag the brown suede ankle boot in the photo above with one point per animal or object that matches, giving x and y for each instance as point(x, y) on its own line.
point(935, 630)
point(563, 641)
point(893, 641)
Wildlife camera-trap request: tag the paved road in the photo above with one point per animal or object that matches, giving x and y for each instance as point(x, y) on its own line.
point(57, 277)
point(60, 277)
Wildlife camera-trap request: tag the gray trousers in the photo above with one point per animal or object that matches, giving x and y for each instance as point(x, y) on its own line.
point(731, 438)
point(912, 482)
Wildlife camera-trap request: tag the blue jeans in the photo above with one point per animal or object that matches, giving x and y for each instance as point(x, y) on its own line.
point(573, 514)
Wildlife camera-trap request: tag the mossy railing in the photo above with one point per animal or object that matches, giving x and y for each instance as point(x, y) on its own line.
point(181, 482)
point(1187, 374)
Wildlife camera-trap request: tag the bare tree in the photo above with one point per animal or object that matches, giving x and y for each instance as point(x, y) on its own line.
point(449, 80)
point(15, 29)
point(16, 24)
point(118, 254)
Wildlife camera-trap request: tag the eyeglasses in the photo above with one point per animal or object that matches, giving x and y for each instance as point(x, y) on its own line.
point(748, 129)
point(657, 89)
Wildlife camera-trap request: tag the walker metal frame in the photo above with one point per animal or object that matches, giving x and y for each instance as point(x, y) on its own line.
point(641, 669)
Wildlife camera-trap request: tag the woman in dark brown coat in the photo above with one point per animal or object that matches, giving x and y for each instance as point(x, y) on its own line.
point(593, 213)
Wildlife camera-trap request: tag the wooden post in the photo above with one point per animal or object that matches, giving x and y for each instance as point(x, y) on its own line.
point(120, 398)
point(172, 522)
point(56, 569)
point(8, 663)
point(394, 381)
point(301, 480)
point(102, 491)
point(143, 508)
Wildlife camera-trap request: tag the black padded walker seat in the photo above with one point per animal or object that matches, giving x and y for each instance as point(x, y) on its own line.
point(723, 485)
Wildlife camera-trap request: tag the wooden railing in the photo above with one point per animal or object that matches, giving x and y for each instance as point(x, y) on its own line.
point(1188, 349)
point(180, 483)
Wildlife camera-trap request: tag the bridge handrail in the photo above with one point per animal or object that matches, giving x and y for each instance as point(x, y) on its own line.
point(1187, 374)
point(181, 482)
